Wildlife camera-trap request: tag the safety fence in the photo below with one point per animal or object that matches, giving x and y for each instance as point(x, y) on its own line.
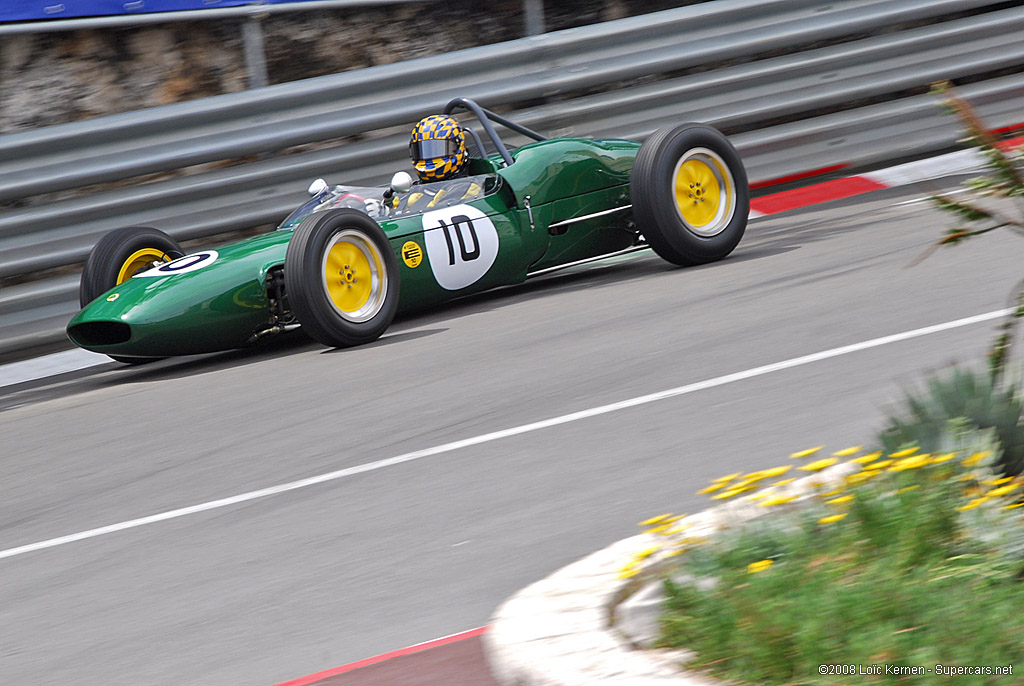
point(798, 85)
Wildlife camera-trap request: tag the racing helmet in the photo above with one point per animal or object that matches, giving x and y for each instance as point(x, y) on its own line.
point(438, 148)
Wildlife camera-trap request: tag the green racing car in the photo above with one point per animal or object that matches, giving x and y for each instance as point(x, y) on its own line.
point(343, 264)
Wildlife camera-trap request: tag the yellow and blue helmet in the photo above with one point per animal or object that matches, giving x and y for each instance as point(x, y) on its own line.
point(438, 148)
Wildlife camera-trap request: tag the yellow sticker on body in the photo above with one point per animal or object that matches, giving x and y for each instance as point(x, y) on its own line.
point(412, 254)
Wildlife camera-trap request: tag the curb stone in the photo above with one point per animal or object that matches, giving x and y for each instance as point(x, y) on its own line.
point(560, 630)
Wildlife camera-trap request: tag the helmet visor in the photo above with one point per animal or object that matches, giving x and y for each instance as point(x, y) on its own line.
point(432, 149)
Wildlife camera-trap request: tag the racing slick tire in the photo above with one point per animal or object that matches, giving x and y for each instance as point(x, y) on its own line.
point(121, 254)
point(341, 277)
point(117, 257)
point(689, 194)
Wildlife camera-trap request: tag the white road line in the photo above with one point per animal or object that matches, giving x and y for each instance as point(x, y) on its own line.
point(928, 198)
point(504, 433)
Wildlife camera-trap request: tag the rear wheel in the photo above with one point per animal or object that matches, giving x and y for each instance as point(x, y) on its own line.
point(341, 277)
point(117, 257)
point(690, 195)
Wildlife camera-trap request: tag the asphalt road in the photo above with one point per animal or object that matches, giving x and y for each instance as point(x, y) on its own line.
point(272, 588)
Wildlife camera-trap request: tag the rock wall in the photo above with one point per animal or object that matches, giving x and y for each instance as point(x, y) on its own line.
point(56, 77)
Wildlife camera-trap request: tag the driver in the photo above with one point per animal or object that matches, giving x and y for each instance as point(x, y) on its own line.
point(438, 151)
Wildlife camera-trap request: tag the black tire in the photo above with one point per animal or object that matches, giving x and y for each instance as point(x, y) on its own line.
point(708, 222)
point(111, 260)
point(327, 255)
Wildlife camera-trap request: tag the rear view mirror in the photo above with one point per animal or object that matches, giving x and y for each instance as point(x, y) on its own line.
point(401, 182)
point(317, 187)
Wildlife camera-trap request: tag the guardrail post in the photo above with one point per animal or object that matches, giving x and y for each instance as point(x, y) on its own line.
point(533, 15)
point(255, 54)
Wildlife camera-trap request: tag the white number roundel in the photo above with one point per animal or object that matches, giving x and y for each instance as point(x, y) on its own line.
point(462, 244)
point(182, 265)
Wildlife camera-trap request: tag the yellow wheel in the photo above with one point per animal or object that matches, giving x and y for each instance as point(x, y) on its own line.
point(140, 260)
point(120, 255)
point(341, 277)
point(705, 192)
point(354, 277)
point(689, 194)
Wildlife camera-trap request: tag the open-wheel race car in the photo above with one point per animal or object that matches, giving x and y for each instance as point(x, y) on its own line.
point(344, 263)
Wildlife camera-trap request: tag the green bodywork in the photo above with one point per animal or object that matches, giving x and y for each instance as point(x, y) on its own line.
point(226, 304)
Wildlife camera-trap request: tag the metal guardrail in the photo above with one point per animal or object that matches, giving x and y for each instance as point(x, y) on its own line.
point(751, 64)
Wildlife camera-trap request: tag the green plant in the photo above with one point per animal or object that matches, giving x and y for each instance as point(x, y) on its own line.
point(982, 401)
point(1004, 180)
point(913, 563)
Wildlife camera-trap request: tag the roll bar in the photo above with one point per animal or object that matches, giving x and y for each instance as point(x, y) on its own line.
point(486, 118)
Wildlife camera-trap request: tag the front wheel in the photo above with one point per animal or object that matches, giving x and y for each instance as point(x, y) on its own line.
point(117, 257)
point(121, 254)
point(341, 277)
point(690, 195)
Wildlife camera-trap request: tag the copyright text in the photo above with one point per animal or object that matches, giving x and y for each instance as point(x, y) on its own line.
point(914, 670)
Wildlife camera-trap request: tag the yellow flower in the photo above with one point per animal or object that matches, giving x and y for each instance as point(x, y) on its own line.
point(973, 504)
point(808, 452)
point(679, 551)
point(754, 477)
point(627, 574)
point(906, 452)
point(1014, 506)
point(724, 479)
point(660, 519)
point(845, 452)
point(664, 526)
point(647, 552)
point(1003, 490)
point(913, 462)
point(755, 567)
point(870, 457)
point(881, 464)
point(711, 489)
point(976, 458)
point(778, 500)
point(783, 482)
point(691, 540)
point(773, 472)
point(831, 518)
point(841, 500)
point(860, 477)
point(998, 482)
point(907, 489)
point(757, 496)
point(938, 459)
point(732, 492)
point(818, 465)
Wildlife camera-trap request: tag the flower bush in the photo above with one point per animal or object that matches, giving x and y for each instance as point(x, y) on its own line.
point(911, 560)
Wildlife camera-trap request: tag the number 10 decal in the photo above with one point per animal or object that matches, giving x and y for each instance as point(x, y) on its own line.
point(462, 244)
point(457, 223)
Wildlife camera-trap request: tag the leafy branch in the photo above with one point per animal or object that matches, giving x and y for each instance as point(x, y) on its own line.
point(1005, 180)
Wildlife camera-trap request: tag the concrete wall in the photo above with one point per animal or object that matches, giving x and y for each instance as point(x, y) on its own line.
point(56, 77)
